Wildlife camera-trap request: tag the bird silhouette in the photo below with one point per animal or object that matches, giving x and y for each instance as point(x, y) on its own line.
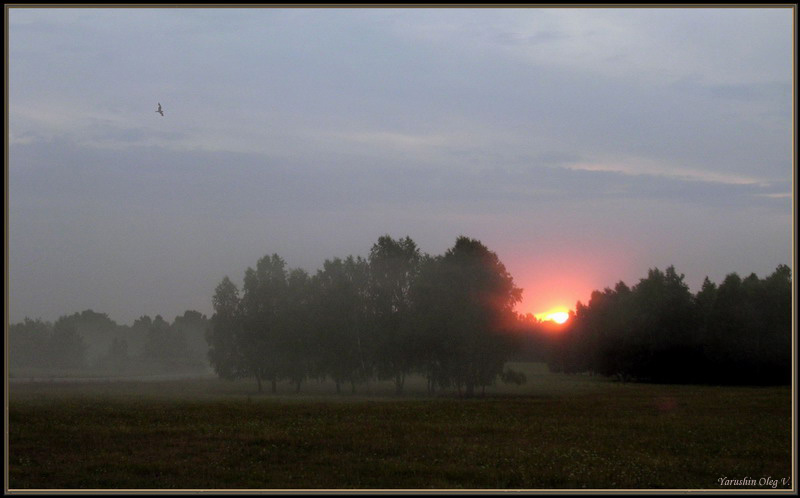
point(159, 109)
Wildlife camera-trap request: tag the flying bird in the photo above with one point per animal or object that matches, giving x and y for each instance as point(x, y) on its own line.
point(159, 109)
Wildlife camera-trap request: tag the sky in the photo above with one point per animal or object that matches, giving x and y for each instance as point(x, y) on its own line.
point(584, 146)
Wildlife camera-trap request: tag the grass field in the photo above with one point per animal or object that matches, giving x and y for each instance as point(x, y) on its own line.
point(554, 432)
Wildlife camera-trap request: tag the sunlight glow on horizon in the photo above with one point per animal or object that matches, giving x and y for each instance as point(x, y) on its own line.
point(563, 271)
point(557, 315)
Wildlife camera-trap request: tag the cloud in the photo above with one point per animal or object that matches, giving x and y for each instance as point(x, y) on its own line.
point(403, 141)
point(647, 43)
point(311, 132)
point(462, 85)
point(645, 166)
point(170, 216)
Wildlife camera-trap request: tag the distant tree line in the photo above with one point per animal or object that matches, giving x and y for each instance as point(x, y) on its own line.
point(448, 318)
point(92, 341)
point(738, 332)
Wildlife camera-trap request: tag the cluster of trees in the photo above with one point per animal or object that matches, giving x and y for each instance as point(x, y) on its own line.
point(737, 332)
point(449, 318)
point(92, 341)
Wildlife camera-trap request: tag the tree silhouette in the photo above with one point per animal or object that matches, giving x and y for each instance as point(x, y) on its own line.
point(298, 345)
point(225, 333)
point(393, 266)
point(263, 302)
point(477, 303)
point(342, 320)
point(67, 349)
point(736, 333)
point(28, 344)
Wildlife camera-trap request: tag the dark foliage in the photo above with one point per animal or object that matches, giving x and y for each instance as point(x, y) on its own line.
point(93, 343)
point(736, 333)
point(399, 312)
point(448, 318)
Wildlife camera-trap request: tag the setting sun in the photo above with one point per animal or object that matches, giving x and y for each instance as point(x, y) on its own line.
point(559, 316)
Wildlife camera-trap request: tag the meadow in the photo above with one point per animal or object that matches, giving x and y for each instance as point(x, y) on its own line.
point(554, 432)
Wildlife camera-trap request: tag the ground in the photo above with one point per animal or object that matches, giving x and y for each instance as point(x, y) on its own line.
point(554, 432)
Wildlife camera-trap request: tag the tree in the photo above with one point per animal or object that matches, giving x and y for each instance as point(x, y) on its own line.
point(117, 358)
point(393, 266)
point(96, 329)
point(297, 347)
point(431, 320)
point(224, 351)
point(749, 329)
point(67, 348)
point(474, 296)
point(263, 304)
point(137, 335)
point(341, 320)
point(727, 332)
point(665, 323)
point(600, 338)
point(28, 343)
point(736, 333)
point(775, 312)
point(192, 326)
point(164, 348)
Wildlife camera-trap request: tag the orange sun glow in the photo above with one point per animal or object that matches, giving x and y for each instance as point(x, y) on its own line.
point(559, 316)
